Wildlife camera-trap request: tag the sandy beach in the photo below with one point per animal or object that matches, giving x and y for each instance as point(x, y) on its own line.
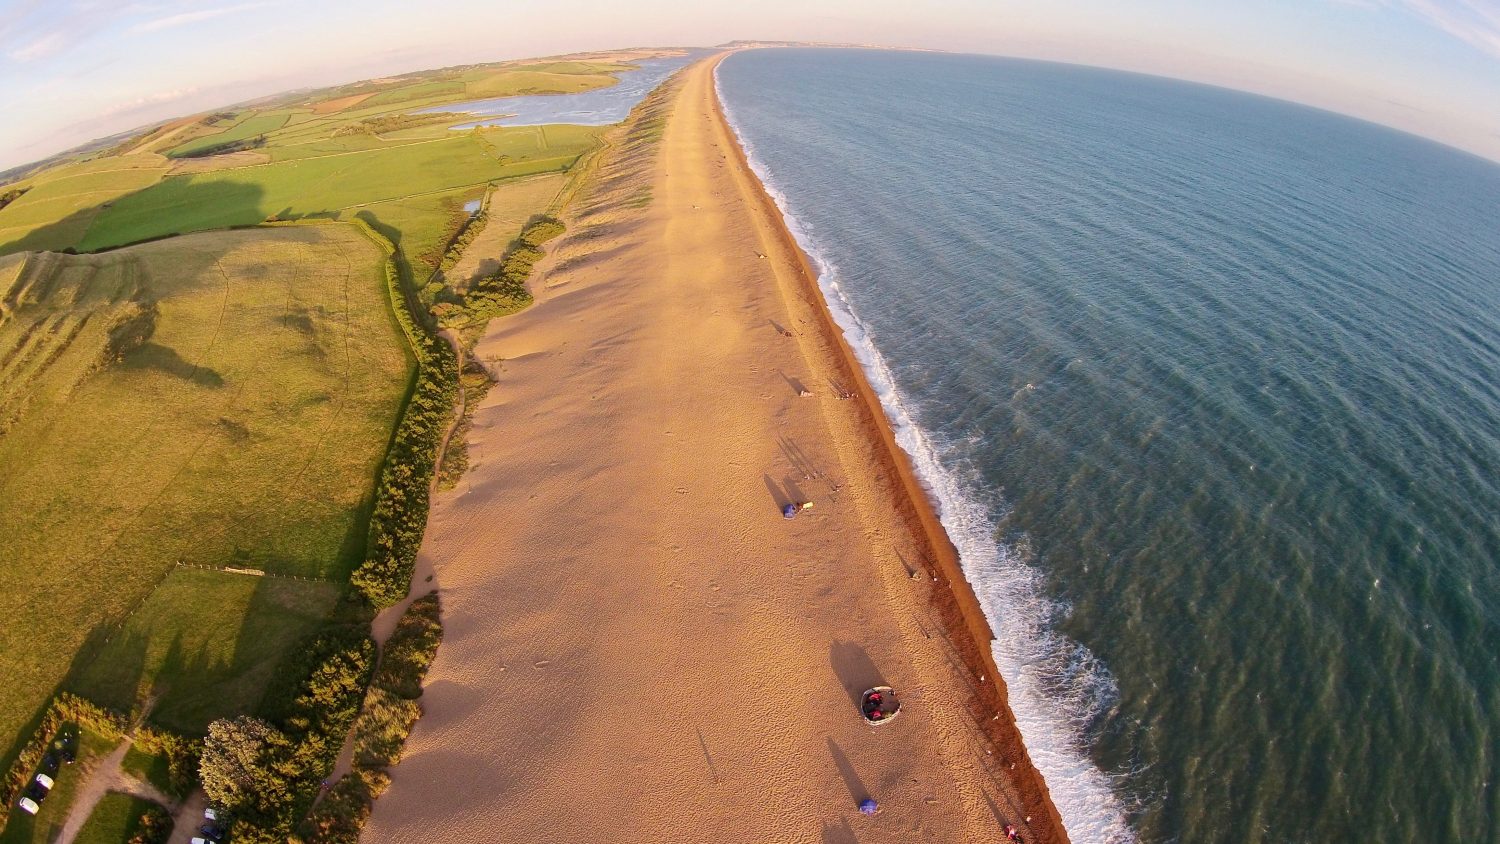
point(638, 647)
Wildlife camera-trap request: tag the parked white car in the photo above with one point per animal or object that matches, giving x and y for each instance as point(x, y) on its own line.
point(45, 782)
point(29, 806)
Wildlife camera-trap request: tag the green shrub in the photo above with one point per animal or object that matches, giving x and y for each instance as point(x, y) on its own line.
point(269, 774)
point(154, 827)
point(411, 648)
point(401, 499)
point(460, 241)
point(542, 230)
point(341, 814)
point(384, 723)
point(178, 756)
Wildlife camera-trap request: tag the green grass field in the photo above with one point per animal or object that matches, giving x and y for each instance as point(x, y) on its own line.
point(245, 430)
point(204, 645)
point(328, 184)
point(46, 825)
point(223, 398)
point(246, 129)
point(58, 209)
point(115, 818)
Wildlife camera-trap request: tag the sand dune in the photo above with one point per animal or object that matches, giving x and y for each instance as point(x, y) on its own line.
point(639, 648)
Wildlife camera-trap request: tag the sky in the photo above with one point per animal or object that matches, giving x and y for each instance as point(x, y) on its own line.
point(74, 70)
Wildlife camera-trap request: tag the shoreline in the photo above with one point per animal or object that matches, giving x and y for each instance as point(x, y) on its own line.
point(637, 645)
point(975, 635)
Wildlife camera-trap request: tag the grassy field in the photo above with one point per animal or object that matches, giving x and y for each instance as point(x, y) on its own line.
point(223, 398)
point(328, 184)
point(204, 645)
point(45, 826)
point(244, 428)
point(510, 205)
point(244, 130)
point(115, 818)
point(58, 209)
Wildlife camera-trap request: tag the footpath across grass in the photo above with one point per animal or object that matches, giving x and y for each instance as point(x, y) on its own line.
point(46, 825)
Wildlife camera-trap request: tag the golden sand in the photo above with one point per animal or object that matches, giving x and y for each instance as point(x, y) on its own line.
point(638, 647)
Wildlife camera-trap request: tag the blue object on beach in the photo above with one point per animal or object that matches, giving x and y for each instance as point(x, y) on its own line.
point(789, 511)
point(868, 806)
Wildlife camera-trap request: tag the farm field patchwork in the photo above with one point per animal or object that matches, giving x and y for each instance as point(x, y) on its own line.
point(218, 399)
point(244, 130)
point(325, 185)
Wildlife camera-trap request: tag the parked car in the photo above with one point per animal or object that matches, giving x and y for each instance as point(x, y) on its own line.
point(28, 806)
point(41, 785)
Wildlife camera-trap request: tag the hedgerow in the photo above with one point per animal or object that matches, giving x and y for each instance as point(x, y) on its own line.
point(385, 721)
point(401, 498)
point(267, 773)
point(460, 241)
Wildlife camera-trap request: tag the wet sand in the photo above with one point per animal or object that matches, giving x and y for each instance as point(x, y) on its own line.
point(638, 647)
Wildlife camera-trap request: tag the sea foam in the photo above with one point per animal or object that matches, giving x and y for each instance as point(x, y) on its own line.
point(1056, 687)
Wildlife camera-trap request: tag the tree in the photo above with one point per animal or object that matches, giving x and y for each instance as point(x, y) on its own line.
point(237, 767)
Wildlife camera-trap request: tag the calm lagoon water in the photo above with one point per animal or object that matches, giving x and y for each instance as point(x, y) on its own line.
point(1208, 389)
point(599, 107)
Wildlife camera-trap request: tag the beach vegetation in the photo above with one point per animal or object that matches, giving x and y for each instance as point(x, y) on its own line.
point(385, 721)
point(267, 771)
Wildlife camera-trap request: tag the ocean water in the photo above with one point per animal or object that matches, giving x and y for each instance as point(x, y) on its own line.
point(1207, 389)
point(598, 107)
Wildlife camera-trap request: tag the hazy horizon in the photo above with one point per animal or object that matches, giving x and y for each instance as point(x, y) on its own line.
point(1429, 67)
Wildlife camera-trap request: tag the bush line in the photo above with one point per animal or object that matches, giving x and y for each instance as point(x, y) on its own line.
point(385, 721)
point(266, 773)
point(504, 291)
point(399, 517)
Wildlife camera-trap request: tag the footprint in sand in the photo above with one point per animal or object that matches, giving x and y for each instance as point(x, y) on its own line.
point(541, 663)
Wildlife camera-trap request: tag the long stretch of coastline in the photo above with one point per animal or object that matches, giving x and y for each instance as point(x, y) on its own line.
point(971, 632)
point(637, 646)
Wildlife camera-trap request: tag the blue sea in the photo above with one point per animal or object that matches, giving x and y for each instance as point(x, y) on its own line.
point(1207, 389)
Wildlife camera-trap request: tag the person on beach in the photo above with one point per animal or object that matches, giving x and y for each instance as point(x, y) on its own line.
point(791, 510)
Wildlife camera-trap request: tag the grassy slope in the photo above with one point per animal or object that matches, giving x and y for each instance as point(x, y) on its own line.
point(62, 203)
point(97, 511)
point(258, 124)
point(246, 431)
point(115, 818)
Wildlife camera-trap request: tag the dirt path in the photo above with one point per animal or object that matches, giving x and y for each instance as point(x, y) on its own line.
point(637, 646)
point(106, 776)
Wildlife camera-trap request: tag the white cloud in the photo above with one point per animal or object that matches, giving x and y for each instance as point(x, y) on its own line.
point(184, 18)
point(1474, 21)
point(39, 48)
